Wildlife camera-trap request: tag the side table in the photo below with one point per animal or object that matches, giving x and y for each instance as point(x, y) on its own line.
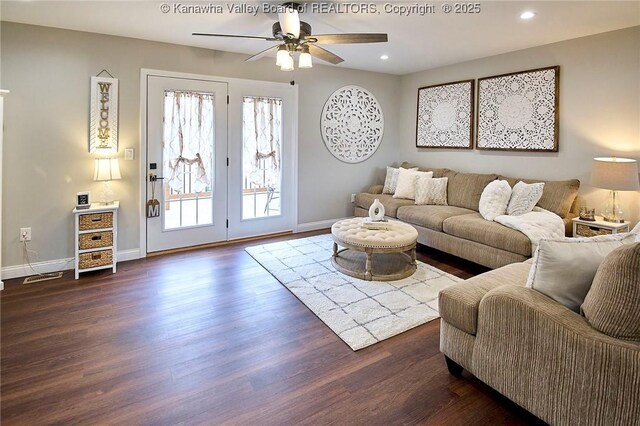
point(586, 228)
point(96, 237)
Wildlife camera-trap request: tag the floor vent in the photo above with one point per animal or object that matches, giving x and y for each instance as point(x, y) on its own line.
point(42, 277)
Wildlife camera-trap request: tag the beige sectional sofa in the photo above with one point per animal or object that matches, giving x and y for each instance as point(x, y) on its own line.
point(543, 356)
point(458, 228)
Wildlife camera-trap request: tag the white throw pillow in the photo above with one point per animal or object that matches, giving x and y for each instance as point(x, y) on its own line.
point(431, 191)
point(524, 198)
point(564, 269)
point(495, 199)
point(391, 180)
point(406, 187)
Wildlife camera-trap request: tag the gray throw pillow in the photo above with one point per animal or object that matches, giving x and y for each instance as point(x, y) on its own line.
point(564, 269)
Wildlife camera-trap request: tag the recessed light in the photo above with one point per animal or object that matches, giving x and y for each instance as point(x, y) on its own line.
point(384, 57)
point(527, 15)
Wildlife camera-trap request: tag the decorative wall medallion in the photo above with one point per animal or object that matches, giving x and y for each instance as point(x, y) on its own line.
point(445, 116)
point(103, 122)
point(519, 111)
point(352, 124)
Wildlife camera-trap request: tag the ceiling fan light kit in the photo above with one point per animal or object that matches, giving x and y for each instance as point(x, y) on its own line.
point(282, 55)
point(304, 60)
point(287, 64)
point(295, 36)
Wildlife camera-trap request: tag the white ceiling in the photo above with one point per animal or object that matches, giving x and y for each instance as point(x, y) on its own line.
point(415, 42)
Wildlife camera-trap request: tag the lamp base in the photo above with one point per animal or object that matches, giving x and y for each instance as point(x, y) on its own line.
point(107, 193)
point(613, 220)
point(613, 212)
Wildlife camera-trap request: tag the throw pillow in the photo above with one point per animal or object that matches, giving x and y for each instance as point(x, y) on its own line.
point(431, 191)
point(406, 187)
point(524, 198)
point(391, 180)
point(495, 199)
point(564, 269)
point(612, 304)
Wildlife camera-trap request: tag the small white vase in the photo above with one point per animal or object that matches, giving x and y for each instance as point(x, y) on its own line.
point(376, 211)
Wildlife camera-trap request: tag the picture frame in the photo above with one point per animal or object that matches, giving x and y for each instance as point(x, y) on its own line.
point(519, 111)
point(83, 200)
point(445, 115)
point(103, 118)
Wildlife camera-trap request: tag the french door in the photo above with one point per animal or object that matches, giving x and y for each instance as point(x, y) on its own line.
point(220, 160)
point(262, 159)
point(186, 162)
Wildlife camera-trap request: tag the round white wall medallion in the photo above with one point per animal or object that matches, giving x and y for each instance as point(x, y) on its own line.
point(352, 124)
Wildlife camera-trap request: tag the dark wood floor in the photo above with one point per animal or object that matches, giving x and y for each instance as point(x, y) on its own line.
point(210, 337)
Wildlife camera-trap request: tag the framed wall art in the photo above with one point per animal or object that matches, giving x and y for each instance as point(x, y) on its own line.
point(352, 124)
point(519, 111)
point(445, 116)
point(103, 119)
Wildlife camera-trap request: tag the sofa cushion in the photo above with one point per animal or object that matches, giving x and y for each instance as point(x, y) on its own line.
point(475, 228)
point(459, 303)
point(437, 173)
point(364, 201)
point(429, 216)
point(465, 189)
point(558, 196)
point(612, 305)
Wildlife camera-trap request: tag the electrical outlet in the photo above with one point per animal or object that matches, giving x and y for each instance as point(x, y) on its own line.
point(25, 234)
point(353, 198)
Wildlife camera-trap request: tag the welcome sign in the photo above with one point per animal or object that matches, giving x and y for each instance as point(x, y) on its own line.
point(103, 121)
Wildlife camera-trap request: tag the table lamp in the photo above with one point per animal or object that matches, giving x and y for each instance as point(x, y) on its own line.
point(106, 170)
point(615, 174)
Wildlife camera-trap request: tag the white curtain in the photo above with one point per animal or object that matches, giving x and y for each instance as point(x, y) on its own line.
point(262, 134)
point(188, 139)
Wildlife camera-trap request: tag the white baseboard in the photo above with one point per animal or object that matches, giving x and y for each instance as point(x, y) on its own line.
point(321, 224)
point(132, 254)
point(18, 271)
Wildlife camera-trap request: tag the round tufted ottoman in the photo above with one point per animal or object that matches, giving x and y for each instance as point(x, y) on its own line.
point(374, 255)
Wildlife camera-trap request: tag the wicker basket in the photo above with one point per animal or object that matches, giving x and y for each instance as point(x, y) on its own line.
point(96, 221)
point(589, 231)
point(95, 240)
point(95, 259)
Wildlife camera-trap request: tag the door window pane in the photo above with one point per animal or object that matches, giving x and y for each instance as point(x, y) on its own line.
point(188, 147)
point(261, 157)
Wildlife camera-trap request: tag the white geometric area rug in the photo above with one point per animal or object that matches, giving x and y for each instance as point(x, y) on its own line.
point(360, 312)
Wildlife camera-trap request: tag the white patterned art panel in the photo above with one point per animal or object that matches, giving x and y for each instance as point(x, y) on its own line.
point(445, 116)
point(519, 112)
point(352, 124)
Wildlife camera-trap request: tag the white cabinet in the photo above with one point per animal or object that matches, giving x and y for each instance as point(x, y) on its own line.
point(96, 237)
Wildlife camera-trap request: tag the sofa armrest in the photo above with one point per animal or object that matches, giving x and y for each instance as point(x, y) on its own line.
point(375, 189)
point(523, 300)
point(549, 360)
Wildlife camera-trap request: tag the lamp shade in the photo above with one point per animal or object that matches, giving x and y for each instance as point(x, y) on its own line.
point(304, 61)
point(617, 174)
point(107, 169)
point(287, 63)
point(282, 55)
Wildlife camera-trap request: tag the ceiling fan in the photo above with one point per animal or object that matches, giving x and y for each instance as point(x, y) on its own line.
point(295, 36)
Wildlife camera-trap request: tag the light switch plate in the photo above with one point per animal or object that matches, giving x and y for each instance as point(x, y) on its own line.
point(129, 154)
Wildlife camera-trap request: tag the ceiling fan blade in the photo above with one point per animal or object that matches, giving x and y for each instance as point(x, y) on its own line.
point(349, 38)
point(235, 36)
point(290, 20)
point(324, 54)
point(263, 53)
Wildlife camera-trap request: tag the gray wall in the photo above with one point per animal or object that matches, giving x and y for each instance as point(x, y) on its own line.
point(46, 118)
point(599, 111)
